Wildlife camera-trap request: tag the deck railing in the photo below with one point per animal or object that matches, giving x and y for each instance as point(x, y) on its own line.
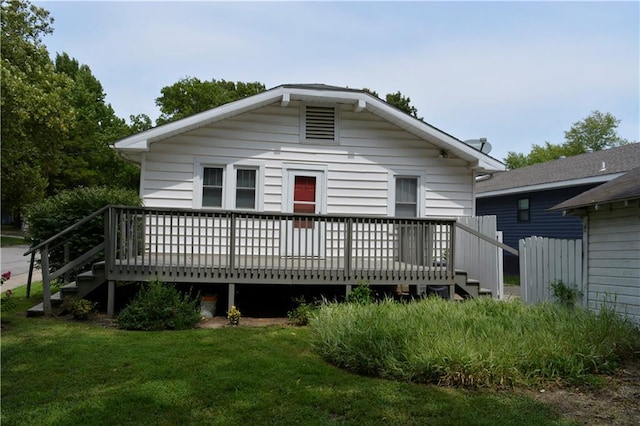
point(243, 247)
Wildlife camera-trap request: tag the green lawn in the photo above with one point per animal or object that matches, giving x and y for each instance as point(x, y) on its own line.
point(6, 241)
point(60, 372)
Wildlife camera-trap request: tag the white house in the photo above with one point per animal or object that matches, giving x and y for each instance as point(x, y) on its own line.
point(611, 223)
point(231, 187)
point(349, 151)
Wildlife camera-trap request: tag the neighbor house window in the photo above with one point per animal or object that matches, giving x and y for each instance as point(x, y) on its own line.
point(319, 124)
point(212, 187)
point(406, 197)
point(246, 189)
point(524, 213)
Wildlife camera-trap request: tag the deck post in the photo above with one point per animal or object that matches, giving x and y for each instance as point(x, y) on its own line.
point(46, 281)
point(348, 288)
point(111, 298)
point(231, 300)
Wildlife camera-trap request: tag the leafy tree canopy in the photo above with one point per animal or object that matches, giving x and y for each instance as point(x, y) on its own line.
point(596, 132)
point(190, 96)
point(36, 113)
point(55, 127)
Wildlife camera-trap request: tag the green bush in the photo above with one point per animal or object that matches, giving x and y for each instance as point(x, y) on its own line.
point(361, 295)
point(478, 342)
point(160, 306)
point(49, 217)
point(301, 314)
point(566, 295)
point(80, 308)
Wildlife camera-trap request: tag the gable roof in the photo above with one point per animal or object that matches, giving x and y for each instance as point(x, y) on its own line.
point(592, 167)
point(318, 93)
point(624, 188)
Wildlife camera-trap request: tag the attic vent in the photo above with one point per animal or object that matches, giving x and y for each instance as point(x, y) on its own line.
point(320, 123)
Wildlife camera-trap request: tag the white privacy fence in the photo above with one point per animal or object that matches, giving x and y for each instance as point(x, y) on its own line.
point(481, 259)
point(547, 260)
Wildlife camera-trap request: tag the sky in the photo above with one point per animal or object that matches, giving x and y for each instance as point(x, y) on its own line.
point(516, 73)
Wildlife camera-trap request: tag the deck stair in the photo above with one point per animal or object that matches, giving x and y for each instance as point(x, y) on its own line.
point(467, 287)
point(84, 284)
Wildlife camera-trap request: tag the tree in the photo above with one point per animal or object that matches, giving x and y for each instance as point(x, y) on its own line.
point(88, 160)
point(56, 127)
point(403, 104)
point(596, 132)
point(399, 101)
point(190, 96)
point(139, 123)
point(36, 113)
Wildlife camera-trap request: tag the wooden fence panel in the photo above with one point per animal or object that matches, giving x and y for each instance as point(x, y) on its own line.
point(546, 260)
point(481, 259)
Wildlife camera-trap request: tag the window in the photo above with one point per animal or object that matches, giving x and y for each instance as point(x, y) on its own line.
point(228, 186)
point(246, 189)
point(406, 197)
point(523, 210)
point(319, 124)
point(212, 187)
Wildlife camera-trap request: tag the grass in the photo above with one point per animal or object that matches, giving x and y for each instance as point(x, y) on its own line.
point(479, 342)
point(73, 373)
point(512, 280)
point(7, 241)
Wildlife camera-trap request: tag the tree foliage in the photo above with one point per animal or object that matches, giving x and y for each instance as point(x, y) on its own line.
point(190, 96)
point(85, 152)
point(56, 127)
point(36, 113)
point(398, 100)
point(596, 132)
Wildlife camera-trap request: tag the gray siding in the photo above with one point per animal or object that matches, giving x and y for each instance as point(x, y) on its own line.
point(614, 258)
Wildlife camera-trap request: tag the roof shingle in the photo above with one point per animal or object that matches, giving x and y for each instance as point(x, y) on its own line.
point(626, 187)
point(599, 163)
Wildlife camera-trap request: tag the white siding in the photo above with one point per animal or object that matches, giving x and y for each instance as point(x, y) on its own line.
point(358, 168)
point(614, 258)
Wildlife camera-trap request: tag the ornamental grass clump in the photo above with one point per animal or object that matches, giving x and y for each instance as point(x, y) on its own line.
point(160, 306)
point(478, 342)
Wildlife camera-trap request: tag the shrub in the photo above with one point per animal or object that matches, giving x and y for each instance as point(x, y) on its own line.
point(566, 295)
point(80, 308)
point(361, 295)
point(301, 314)
point(160, 306)
point(49, 217)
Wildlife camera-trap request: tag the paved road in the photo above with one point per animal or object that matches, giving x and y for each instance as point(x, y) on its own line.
point(13, 259)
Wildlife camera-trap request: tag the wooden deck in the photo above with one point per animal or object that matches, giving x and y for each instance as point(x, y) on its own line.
point(274, 270)
point(230, 247)
point(275, 248)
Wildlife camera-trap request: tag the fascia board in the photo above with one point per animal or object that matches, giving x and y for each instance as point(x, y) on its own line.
point(547, 186)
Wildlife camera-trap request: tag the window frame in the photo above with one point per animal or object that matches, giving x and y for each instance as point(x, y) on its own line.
point(520, 210)
point(421, 178)
point(222, 189)
point(236, 169)
point(229, 183)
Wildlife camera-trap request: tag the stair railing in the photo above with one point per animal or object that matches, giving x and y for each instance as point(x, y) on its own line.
point(45, 248)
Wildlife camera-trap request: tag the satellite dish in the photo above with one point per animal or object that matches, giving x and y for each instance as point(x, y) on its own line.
point(480, 144)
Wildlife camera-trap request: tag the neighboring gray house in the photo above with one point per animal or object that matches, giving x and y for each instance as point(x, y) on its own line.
point(521, 198)
point(611, 217)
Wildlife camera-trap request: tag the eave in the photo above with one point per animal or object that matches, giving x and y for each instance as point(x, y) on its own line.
point(360, 100)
